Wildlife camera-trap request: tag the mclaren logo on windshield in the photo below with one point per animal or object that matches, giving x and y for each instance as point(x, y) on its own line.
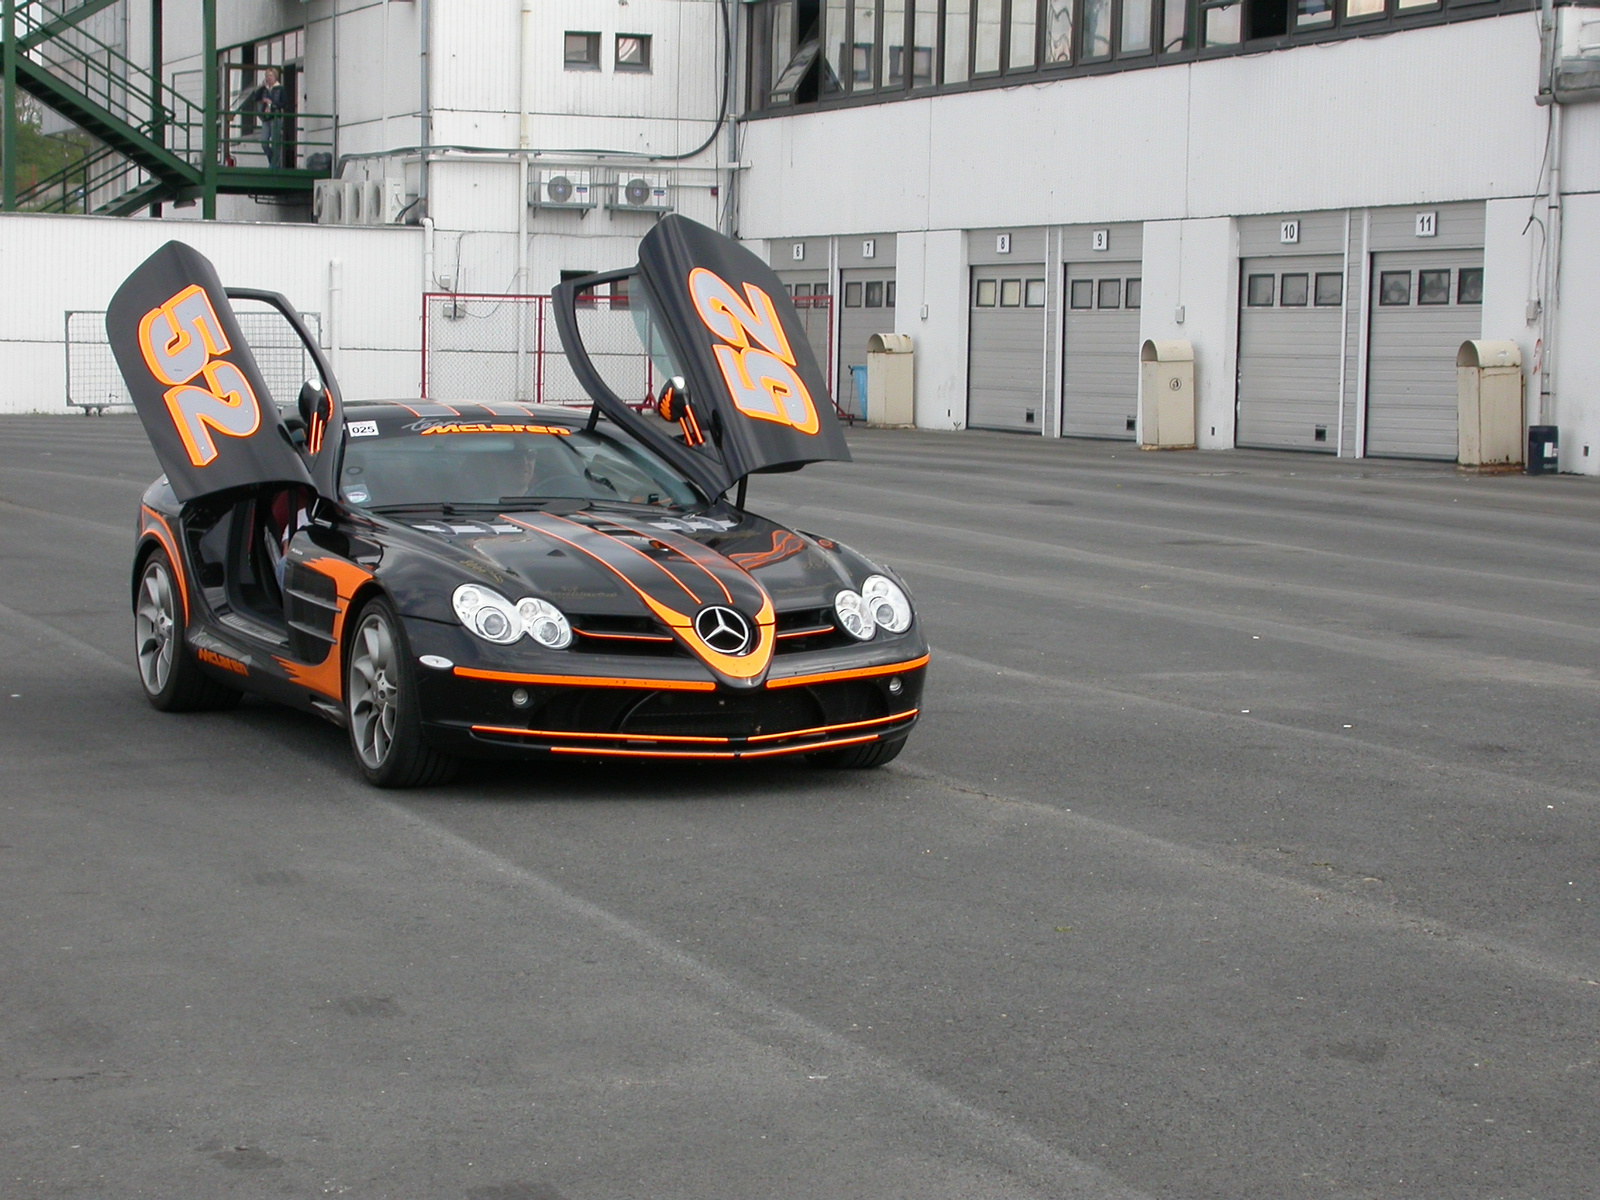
point(725, 630)
point(757, 361)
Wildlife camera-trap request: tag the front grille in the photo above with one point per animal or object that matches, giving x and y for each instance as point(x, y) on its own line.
point(708, 714)
point(603, 634)
point(805, 629)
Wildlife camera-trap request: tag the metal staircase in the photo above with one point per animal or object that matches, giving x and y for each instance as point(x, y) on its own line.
point(155, 144)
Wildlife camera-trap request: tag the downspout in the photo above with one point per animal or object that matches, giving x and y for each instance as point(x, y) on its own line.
point(334, 22)
point(1548, 54)
point(8, 122)
point(1344, 335)
point(158, 122)
point(424, 103)
point(524, 144)
point(213, 105)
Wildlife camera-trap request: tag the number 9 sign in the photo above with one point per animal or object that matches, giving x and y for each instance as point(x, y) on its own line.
point(181, 342)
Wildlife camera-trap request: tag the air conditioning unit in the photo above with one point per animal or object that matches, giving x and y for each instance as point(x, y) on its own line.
point(561, 188)
point(369, 201)
point(327, 201)
point(392, 201)
point(637, 192)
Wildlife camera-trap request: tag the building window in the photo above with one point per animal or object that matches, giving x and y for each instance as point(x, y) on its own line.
point(986, 293)
point(1294, 291)
point(1110, 294)
point(1394, 287)
point(1258, 291)
point(1033, 296)
point(817, 51)
point(875, 294)
point(1011, 293)
point(1469, 285)
point(888, 294)
point(852, 295)
point(1082, 293)
point(1330, 289)
point(1133, 295)
point(633, 52)
point(582, 51)
point(1433, 287)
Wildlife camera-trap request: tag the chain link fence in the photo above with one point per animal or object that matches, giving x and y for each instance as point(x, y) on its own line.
point(94, 383)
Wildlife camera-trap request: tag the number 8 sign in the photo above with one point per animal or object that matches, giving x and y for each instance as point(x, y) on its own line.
point(181, 341)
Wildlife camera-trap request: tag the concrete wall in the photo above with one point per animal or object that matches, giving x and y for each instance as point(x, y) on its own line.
point(77, 263)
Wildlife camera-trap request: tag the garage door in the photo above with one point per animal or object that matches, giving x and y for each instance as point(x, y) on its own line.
point(1289, 323)
point(1100, 360)
point(1424, 305)
point(810, 292)
point(868, 309)
point(1005, 357)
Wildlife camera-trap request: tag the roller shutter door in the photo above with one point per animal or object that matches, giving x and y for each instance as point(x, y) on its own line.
point(1100, 360)
point(1005, 350)
point(810, 292)
point(1425, 303)
point(868, 308)
point(1289, 352)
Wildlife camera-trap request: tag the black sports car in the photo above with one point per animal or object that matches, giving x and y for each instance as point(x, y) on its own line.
point(451, 580)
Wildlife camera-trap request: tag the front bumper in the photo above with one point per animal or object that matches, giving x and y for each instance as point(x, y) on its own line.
point(495, 703)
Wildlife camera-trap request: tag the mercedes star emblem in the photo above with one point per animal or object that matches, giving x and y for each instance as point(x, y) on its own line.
point(725, 630)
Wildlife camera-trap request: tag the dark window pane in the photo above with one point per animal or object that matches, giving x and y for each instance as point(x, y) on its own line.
point(1110, 293)
point(802, 289)
point(633, 52)
point(888, 294)
point(1136, 16)
point(1258, 292)
point(874, 294)
point(1058, 31)
point(1033, 295)
point(986, 53)
point(1011, 293)
point(1314, 14)
point(852, 295)
point(1394, 287)
point(1134, 295)
point(986, 293)
point(581, 49)
point(1433, 287)
point(1469, 285)
point(1083, 293)
point(1330, 288)
point(1294, 290)
point(1096, 29)
point(820, 289)
point(1024, 27)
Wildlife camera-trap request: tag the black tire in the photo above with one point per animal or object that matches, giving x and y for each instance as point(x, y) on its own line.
point(382, 709)
point(172, 680)
point(861, 758)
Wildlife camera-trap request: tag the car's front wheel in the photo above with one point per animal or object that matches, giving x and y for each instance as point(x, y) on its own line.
point(172, 680)
point(382, 707)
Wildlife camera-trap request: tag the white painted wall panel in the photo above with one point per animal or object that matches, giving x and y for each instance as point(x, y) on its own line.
point(79, 262)
point(1437, 114)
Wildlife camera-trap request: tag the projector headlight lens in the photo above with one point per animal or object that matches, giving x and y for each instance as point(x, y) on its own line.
point(545, 623)
point(887, 603)
point(487, 613)
point(854, 614)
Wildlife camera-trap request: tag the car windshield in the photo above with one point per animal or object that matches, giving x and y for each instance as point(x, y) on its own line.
point(499, 463)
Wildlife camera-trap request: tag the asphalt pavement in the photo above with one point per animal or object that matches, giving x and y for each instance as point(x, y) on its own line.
point(1248, 849)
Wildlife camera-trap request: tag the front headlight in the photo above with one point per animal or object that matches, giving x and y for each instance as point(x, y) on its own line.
point(545, 623)
point(492, 617)
point(888, 605)
point(854, 614)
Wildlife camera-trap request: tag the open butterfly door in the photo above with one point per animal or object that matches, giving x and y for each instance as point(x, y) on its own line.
point(199, 391)
point(713, 313)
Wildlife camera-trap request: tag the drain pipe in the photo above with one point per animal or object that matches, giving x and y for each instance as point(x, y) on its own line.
point(524, 144)
point(1551, 306)
point(425, 107)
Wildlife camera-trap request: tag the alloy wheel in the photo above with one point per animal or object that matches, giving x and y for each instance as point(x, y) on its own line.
point(155, 627)
point(374, 691)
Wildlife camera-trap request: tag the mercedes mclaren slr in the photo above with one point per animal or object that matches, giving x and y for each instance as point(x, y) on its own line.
point(504, 579)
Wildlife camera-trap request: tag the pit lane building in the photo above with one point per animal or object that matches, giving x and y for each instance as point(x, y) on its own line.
point(1324, 197)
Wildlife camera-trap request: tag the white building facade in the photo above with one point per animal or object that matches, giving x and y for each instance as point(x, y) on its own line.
point(1323, 197)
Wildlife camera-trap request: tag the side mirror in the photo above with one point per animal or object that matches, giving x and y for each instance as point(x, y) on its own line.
point(313, 400)
point(674, 399)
